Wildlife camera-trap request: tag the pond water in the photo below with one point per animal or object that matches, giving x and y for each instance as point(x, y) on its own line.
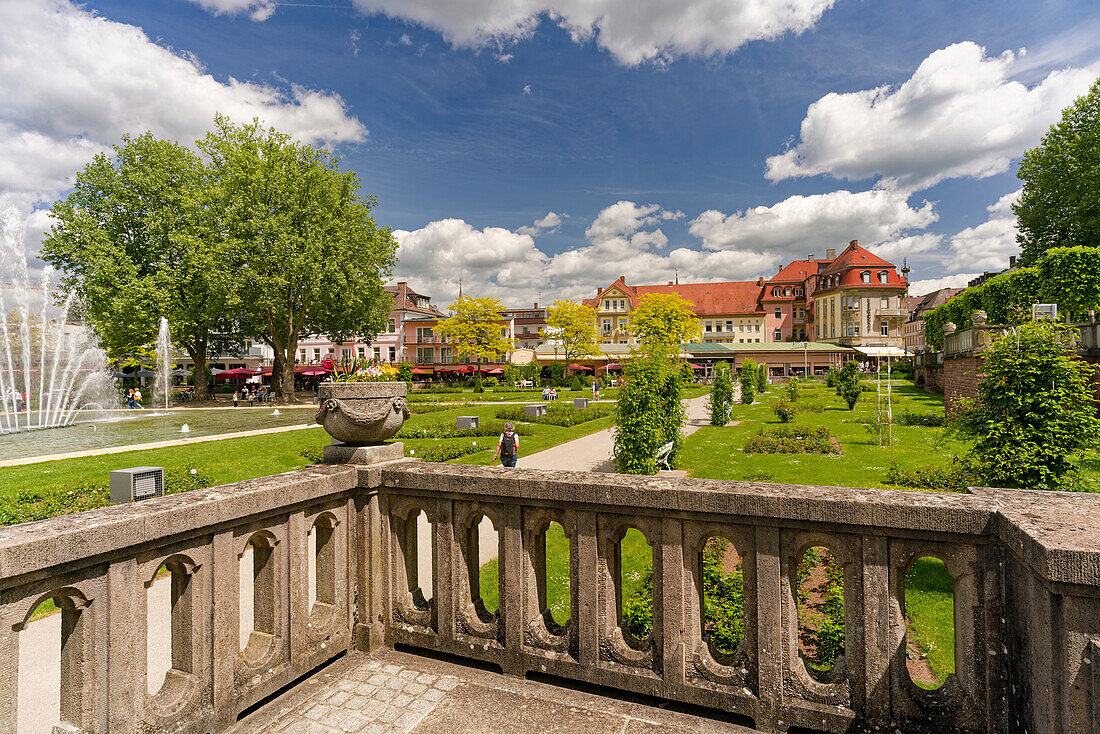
point(125, 428)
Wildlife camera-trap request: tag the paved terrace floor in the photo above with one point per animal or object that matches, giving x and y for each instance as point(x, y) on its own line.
point(401, 693)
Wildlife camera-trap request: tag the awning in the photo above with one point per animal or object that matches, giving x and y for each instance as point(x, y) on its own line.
point(613, 366)
point(313, 373)
point(696, 366)
point(580, 367)
point(237, 373)
point(881, 351)
point(497, 371)
point(422, 371)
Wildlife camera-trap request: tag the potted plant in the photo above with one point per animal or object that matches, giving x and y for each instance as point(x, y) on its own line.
point(363, 403)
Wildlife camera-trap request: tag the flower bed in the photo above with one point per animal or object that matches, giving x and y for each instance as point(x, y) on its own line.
point(449, 430)
point(792, 440)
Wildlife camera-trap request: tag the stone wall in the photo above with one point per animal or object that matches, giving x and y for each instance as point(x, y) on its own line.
point(1026, 570)
point(960, 379)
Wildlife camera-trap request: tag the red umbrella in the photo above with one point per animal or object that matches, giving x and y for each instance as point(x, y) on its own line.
point(313, 372)
point(419, 371)
point(266, 372)
point(613, 366)
point(496, 371)
point(695, 366)
point(236, 373)
point(580, 367)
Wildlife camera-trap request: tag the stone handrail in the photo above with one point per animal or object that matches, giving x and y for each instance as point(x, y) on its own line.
point(1026, 569)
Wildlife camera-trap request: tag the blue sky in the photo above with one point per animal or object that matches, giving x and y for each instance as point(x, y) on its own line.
point(657, 136)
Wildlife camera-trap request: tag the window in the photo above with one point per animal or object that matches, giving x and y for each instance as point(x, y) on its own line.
point(777, 292)
point(740, 327)
point(707, 327)
point(884, 303)
point(883, 276)
point(778, 312)
point(393, 354)
point(423, 335)
point(778, 335)
point(392, 326)
point(787, 291)
point(798, 291)
point(865, 276)
point(729, 326)
point(758, 329)
point(424, 355)
point(607, 305)
point(316, 355)
point(607, 326)
point(885, 328)
point(332, 350)
point(302, 355)
point(363, 352)
point(622, 305)
point(444, 355)
point(377, 354)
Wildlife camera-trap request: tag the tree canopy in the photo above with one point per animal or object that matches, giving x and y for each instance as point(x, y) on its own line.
point(573, 325)
point(663, 320)
point(1060, 202)
point(474, 328)
point(302, 248)
point(135, 243)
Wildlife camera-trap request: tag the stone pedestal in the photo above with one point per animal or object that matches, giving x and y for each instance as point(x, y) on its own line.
point(468, 421)
point(580, 403)
point(535, 410)
point(347, 453)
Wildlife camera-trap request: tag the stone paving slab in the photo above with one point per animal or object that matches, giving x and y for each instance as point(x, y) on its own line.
point(401, 693)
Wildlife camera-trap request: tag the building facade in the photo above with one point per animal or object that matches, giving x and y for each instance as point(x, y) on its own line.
point(918, 306)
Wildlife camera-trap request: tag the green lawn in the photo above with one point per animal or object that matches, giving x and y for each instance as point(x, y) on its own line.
point(716, 453)
point(929, 608)
point(491, 396)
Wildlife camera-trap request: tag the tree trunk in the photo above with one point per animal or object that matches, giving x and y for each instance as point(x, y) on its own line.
point(287, 383)
point(197, 352)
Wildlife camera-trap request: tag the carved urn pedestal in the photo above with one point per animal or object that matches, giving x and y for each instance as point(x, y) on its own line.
point(361, 417)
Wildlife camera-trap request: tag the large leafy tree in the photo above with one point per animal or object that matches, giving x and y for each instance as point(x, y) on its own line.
point(1033, 420)
point(1060, 203)
point(136, 242)
point(573, 325)
point(304, 253)
point(663, 320)
point(474, 328)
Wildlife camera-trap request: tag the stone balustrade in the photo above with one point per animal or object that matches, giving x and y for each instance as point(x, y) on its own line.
point(1026, 570)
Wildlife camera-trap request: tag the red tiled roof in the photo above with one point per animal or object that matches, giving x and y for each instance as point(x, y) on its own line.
point(713, 298)
point(798, 271)
point(855, 256)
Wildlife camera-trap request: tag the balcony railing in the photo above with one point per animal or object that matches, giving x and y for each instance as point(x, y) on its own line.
point(1025, 569)
point(888, 313)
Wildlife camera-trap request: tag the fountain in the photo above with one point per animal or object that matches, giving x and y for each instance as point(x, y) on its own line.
point(164, 366)
point(185, 428)
point(50, 370)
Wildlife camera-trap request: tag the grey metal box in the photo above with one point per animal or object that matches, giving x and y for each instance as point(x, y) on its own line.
point(136, 483)
point(535, 410)
point(468, 421)
point(580, 403)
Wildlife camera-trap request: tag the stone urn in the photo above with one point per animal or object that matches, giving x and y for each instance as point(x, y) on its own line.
point(949, 328)
point(978, 318)
point(362, 413)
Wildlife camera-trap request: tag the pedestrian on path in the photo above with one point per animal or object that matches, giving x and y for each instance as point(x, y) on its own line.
point(236, 398)
point(508, 446)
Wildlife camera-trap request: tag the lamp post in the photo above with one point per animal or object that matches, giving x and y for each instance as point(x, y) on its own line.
point(805, 359)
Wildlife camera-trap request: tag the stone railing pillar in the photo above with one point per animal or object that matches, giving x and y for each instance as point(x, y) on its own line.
point(878, 641)
point(769, 624)
point(672, 589)
point(588, 621)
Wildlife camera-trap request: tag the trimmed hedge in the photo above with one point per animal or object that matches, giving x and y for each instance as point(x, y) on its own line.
point(791, 440)
point(558, 414)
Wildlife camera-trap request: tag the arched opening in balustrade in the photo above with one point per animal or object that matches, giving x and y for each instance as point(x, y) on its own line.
point(819, 598)
point(483, 566)
point(929, 622)
point(633, 575)
point(170, 612)
point(416, 540)
point(322, 566)
point(257, 595)
point(554, 549)
point(52, 667)
point(723, 596)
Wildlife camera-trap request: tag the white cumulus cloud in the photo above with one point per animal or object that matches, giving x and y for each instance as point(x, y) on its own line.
point(799, 225)
point(988, 245)
point(960, 114)
point(72, 83)
point(258, 10)
point(550, 223)
point(924, 287)
point(633, 32)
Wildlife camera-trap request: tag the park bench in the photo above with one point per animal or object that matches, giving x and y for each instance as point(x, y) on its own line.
point(662, 455)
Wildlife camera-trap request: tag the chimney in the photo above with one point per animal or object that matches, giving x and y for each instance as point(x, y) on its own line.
point(599, 291)
point(760, 280)
point(1011, 261)
point(670, 282)
point(830, 254)
point(853, 244)
point(536, 304)
point(623, 279)
point(810, 257)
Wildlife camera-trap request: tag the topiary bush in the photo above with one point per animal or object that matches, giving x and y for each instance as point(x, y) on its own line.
point(792, 390)
point(720, 402)
point(784, 411)
point(761, 377)
point(577, 385)
point(648, 412)
point(748, 381)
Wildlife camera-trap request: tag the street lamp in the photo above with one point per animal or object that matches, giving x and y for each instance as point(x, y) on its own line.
point(805, 359)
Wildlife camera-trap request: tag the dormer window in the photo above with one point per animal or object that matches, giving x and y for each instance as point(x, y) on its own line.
point(798, 291)
point(787, 291)
point(865, 276)
point(777, 292)
point(883, 276)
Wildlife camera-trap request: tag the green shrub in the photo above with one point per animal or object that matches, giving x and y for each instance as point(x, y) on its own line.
point(761, 377)
point(558, 414)
point(479, 385)
point(791, 440)
point(425, 408)
point(448, 429)
point(792, 390)
point(637, 612)
point(577, 385)
point(950, 478)
point(312, 454)
point(811, 407)
point(847, 383)
point(404, 372)
point(831, 377)
point(784, 411)
point(489, 382)
point(443, 452)
point(748, 381)
point(687, 374)
point(648, 412)
point(720, 403)
point(723, 598)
